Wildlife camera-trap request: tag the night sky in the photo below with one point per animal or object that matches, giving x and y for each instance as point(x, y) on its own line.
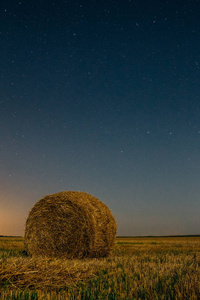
point(102, 97)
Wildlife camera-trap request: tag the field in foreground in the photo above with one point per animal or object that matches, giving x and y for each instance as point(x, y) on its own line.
point(139, 268)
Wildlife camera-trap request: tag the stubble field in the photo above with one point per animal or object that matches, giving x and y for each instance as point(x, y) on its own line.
point(139, 268)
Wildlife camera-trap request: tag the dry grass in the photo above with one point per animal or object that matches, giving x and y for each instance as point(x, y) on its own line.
point(140, 268)
point(45, 273)
point(71, 225)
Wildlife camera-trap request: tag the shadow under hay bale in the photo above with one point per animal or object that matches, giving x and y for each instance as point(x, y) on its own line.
point(70, 224)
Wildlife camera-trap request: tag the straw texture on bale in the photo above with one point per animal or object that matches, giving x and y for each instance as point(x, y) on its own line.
point(70, 224)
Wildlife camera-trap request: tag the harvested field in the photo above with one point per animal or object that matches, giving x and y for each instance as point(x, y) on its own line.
point(140, 268)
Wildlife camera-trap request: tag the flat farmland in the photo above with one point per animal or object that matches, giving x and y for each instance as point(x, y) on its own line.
point(139, 268)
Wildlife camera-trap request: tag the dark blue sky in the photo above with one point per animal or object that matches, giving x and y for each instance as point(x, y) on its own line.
point(102, 97)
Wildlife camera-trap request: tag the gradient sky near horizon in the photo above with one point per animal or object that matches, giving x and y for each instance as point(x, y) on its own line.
point(102, 97)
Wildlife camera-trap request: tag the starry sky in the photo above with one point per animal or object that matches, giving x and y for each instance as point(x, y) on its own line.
point(102, 97)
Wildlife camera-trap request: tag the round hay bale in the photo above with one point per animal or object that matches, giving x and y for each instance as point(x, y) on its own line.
point(70, 224)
